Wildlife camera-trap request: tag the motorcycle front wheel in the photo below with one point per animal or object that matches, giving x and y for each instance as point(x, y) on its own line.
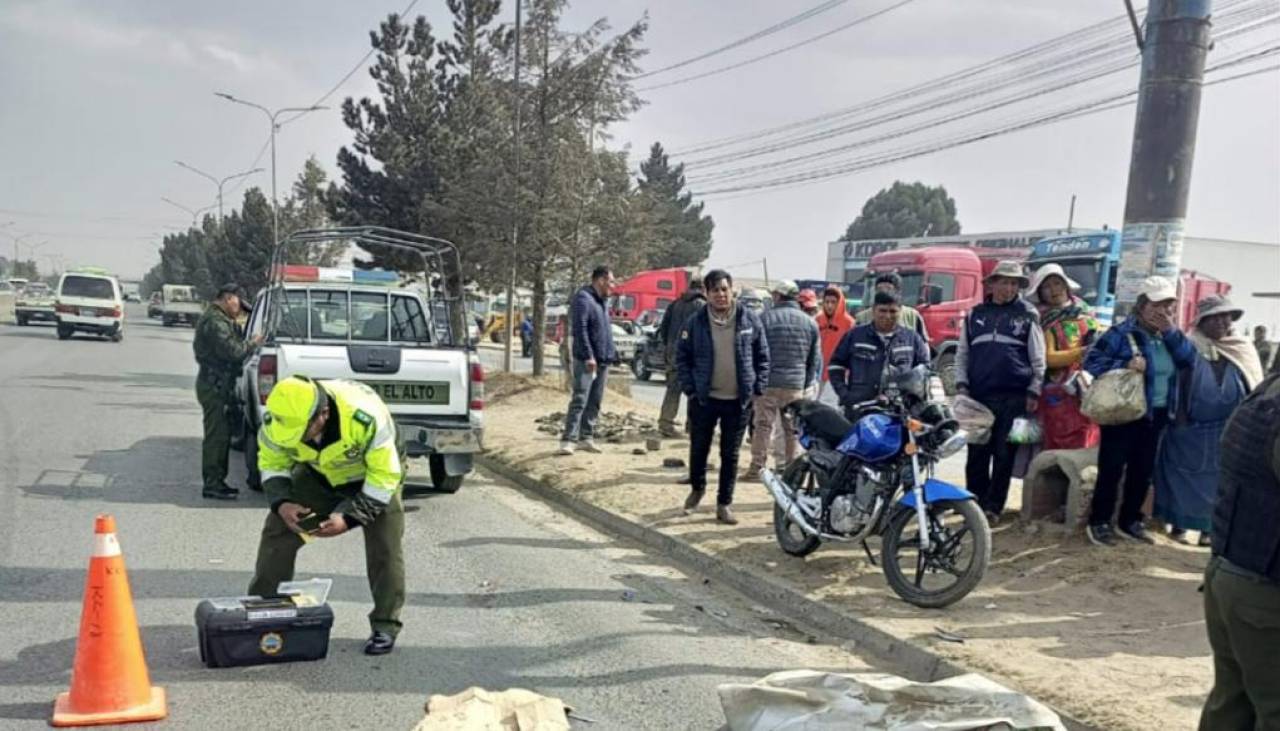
point(957, 559)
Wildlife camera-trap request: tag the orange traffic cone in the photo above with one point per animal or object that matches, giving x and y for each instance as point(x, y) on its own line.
point(109, 682)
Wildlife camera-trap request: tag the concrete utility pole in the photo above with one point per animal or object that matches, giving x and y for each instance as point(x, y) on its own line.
point(508, 357)
point(1164, 142)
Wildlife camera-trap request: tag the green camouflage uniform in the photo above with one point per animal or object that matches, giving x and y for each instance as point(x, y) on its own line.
point(220, 351)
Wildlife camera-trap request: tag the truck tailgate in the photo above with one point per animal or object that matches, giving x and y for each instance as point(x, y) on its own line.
point(412, 381)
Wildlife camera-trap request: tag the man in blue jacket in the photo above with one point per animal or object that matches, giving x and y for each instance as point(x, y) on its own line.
point(593, 353)
point(1130, 449)
point(722, 361)
point(858, 363)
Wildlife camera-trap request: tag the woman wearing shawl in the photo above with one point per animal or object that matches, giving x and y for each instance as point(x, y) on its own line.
point(1069, 330)
point(1186, 473)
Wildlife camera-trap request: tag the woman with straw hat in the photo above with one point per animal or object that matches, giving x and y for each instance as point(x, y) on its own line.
point(1069, 329)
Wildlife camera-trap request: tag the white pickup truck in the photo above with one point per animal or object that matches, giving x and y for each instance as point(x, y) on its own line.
point(367, 325)
point(179, 303)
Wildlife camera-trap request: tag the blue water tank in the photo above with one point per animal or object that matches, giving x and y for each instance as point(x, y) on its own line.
point(875, 438)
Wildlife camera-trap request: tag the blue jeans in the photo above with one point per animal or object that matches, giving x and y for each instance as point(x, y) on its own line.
point(584, 404)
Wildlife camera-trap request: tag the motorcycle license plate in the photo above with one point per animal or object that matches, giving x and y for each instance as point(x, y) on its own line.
point(429, 394)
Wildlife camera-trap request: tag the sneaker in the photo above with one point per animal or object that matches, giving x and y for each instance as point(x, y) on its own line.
point(993, 518)
point(1136, 532)
point(724, 514)
point(589, 445)
point(1179, 535)
point(566, 449)
point(1101, 535)
point(691, 502)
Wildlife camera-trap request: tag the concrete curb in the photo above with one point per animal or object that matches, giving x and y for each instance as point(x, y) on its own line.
point(892, 653)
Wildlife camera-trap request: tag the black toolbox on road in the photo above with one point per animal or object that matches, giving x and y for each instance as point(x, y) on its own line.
point(250, 630)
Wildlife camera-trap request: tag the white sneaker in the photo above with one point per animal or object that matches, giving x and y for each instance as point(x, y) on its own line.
point(589, 445)
point(566, 449)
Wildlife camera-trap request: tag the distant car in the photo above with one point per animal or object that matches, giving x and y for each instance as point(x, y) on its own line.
point(650, 357)
point(34, 303)
point(626, 343)
point(89, 300)
point(155, 306)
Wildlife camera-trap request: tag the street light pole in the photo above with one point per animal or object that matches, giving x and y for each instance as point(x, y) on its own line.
point(195, 214)
point(271, 117)
point(216, 181)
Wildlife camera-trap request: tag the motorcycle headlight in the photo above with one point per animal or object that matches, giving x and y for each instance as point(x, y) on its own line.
point(952, 444)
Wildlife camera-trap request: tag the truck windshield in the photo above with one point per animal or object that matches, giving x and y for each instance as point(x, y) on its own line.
point(1086, 273)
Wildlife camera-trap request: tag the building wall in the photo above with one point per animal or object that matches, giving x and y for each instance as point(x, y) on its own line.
point(1250, 267)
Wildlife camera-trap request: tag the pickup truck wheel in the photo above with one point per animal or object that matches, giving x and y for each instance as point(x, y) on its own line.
point(64, 332)
point(946, 368)
point(440, 479)
point(253, 478)
point(639, 368)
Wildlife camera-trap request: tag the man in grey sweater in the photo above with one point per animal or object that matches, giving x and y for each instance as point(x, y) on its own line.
point(795, 365)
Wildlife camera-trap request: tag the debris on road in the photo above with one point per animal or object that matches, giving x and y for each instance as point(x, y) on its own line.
point(673, 463)
point(639, 451)
point(946, 636)
point(613, 427)
point(477, 709)
point(878, 702)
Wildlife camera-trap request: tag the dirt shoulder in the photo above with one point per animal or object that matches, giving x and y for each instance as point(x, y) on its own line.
point(1114, 637)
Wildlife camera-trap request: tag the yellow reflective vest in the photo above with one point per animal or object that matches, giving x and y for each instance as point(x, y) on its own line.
point(366, 451)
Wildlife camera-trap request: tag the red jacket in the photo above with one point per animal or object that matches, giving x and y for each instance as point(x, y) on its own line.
point(833, 329)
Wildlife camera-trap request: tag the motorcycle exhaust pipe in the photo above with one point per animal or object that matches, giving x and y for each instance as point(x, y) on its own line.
point(781, 495)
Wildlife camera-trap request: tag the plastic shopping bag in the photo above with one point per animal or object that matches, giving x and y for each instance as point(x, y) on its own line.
point(974, 418)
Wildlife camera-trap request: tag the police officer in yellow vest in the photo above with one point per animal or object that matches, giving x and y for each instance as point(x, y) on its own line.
point(328, 450)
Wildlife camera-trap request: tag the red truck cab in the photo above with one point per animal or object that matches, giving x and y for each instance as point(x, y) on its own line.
point(651, 290)
point(943, 284)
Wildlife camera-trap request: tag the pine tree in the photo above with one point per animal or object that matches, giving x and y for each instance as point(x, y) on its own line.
point(684, 234)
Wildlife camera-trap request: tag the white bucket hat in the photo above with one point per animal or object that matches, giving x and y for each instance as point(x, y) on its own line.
point(1043, 273)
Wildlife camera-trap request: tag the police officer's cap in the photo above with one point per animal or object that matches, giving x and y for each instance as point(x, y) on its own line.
point(230, 288)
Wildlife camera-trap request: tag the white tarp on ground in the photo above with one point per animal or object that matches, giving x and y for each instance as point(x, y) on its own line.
point(807, 700)
point(477, 709)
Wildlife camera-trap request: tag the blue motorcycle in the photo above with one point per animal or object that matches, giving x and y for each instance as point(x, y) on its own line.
point(872, 475)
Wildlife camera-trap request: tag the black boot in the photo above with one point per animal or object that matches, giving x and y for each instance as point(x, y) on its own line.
point(221, 491)
point(380, 643)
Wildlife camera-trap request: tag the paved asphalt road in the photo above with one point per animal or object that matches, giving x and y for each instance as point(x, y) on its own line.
point(503, 591)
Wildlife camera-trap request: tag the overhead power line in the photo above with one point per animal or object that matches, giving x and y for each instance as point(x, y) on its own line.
point(812, 39)
point(1084, 63)
point(775, 28)
point(1108, 36)
point(1090, 107)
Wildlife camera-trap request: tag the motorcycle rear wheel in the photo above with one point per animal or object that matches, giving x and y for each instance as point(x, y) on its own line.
point(960, 548)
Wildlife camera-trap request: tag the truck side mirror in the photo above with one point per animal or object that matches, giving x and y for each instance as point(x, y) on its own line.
point(931, 294)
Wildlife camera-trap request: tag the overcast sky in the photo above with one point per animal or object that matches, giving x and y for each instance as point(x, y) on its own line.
point(98, 99)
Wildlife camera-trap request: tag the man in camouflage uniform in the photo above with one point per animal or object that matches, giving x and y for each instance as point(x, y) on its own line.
point(221, 351)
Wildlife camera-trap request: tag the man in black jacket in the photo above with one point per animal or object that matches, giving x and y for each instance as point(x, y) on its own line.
point(593, 353)
point(1242, 581)
point(673, 321)
point(858, 363)
point(722, 361)
point(1000, 363)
